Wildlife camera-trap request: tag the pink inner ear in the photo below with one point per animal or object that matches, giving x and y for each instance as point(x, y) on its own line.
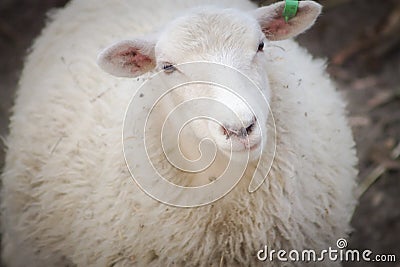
point(130, 59)
point(134, 59)
point(277, 27)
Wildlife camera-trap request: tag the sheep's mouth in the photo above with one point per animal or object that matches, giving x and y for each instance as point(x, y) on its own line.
point(245, 148)
point(254, 147)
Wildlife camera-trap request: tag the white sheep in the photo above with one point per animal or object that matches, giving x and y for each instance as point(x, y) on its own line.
point(67, 195)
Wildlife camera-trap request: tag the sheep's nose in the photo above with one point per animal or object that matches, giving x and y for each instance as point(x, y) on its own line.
point(240, 132)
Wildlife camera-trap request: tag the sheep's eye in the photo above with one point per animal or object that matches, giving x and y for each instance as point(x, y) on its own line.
point(260, 47)
point(168, 68)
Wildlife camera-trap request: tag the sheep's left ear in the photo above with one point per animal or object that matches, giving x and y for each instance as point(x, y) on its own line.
point(129, 58)
point(275, 27)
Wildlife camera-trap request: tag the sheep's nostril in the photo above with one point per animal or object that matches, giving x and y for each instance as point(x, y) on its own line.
point(226, 132)
point(229, 132)
point(250, 128)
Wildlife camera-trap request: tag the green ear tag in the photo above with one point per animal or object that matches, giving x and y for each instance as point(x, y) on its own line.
point(290, 9)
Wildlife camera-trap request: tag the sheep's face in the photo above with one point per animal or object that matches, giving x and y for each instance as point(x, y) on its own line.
point(223, 36)
point(203, 36)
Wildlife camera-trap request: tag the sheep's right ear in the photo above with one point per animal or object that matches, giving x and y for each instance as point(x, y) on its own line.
point(128, 58)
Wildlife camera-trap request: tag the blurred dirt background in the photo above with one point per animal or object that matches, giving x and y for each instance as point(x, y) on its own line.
point(361, 42)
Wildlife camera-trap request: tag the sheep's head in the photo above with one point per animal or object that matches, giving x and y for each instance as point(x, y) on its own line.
point(225, 36)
